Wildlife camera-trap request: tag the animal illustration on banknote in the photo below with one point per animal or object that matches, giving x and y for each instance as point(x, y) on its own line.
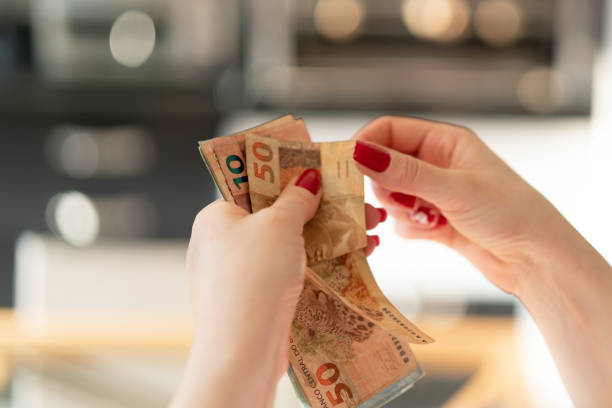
point(322, 312)
point(341, 274)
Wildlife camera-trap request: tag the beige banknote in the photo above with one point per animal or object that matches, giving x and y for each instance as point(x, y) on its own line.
point(225, 157)
point(339, 358)
point(349, 345)
point(339, 225)
point(208, 155)
point(295, 130)
point(351, 278)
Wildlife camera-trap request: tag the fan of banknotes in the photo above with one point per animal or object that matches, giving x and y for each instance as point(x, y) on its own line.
point(349, 346)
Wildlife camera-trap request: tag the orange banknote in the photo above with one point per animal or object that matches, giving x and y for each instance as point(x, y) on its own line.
point(349, 346)
point(225, 156)
point(339, 225)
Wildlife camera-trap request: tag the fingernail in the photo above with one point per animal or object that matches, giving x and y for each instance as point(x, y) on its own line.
point(383, 214)
point(429, 213)
point(371, 157)
point(310, 180)
point(376, 239)
point(404, 199)
point(442, 221)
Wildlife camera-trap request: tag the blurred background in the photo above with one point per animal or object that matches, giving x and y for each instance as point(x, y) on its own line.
point(101, 107)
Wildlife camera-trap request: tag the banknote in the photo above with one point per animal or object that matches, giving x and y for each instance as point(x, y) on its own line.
point(208, 155)
point(295, 130)
point(339, 358)
point(351, 278)
point(225, 157)
point(349, 346)
point(339, 225)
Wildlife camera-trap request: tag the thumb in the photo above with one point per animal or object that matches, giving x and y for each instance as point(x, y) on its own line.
point(406, 174)
point(300, 198)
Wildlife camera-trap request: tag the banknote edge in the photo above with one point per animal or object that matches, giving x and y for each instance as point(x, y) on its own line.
point(387, 395)
point(297, 388)
point(227, 195)
point(394, 390)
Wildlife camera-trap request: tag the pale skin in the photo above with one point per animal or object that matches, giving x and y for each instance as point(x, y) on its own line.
point(503, 226)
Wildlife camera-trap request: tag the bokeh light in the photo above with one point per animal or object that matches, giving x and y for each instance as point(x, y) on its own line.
point(540, 90)
point(442, 21)
point(74, 217)
point(339, 20)
point(132, 38)
point(498, 22)
point(93, 152)
point(78, 154)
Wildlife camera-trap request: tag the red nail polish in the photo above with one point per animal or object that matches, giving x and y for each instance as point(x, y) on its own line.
point(310, 180)
point(376, 239)
point(371, 157)
point(404, 199)
point(383, 214)
point(442, 221)
point(429, 213)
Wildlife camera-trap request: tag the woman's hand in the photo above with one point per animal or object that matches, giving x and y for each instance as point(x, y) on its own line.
point(441, 182)
point(247, 272)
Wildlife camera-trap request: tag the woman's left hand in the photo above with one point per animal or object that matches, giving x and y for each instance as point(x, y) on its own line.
point(247, 272)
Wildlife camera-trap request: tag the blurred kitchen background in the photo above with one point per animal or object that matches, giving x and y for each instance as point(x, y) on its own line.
point(102, 103)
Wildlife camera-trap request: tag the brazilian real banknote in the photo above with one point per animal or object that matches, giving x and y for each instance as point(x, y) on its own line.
point(349, 346)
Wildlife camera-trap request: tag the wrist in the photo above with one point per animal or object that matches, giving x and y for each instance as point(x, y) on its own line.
point(550, 245)
point(566, 291)
point(562, 268)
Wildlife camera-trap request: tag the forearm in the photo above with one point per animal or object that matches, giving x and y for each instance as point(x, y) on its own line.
point(568, 291)
point(245, 379)
point(234, 385)
point(224, 370)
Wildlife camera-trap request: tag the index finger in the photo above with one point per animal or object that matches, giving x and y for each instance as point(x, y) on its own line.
point(407, 135)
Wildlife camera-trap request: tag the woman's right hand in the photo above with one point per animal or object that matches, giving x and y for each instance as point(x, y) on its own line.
point(441, 182)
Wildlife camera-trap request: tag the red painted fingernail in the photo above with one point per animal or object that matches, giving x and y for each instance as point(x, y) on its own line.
point(376, 239)
point(383, 214)
point(310, 180)
point(442, 221)
point(371, 157)
point(404, 199)
point(429, 213)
